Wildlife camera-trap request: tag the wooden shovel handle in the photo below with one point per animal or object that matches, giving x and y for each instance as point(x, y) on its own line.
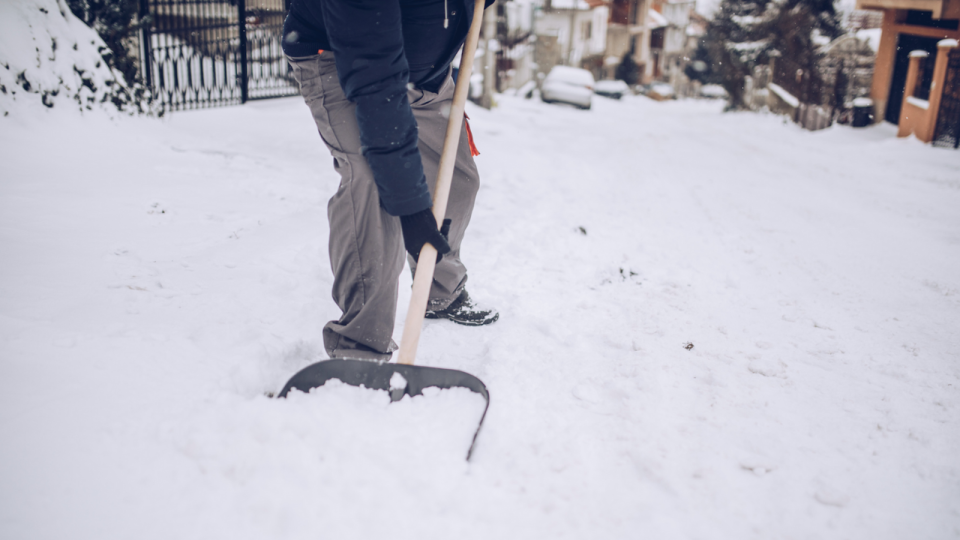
point(427, 262)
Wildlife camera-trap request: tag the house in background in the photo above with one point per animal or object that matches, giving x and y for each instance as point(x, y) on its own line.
point(669, 20)
point(597, 34)
point(657, 26)
point(627, 31)
point(908, 25)
point(575, 30)
point(515, 44)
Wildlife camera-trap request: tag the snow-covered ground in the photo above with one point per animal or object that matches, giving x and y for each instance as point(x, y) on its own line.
point(712, 326)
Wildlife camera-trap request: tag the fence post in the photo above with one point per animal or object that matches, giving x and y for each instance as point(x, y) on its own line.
point(242, 11)
point(146, 45)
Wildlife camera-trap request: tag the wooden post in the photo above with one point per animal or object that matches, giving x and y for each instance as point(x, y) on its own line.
point(883, 65)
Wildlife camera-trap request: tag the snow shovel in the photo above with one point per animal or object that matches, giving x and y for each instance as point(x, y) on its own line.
point(404, 378)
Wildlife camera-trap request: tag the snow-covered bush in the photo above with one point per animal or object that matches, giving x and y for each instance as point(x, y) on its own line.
point(49, 57)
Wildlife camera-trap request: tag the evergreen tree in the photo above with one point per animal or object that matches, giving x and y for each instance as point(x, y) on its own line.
point(791, 30)
point(729, 29)
point(700, 68)
point(744, 32)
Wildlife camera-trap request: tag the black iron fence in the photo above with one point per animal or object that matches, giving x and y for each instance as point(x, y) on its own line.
point(208, 53)
point(808, 87)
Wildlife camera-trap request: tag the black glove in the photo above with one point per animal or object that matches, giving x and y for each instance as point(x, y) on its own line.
point(421, 228)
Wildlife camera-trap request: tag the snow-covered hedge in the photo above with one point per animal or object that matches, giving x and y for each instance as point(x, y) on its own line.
point(49, 57)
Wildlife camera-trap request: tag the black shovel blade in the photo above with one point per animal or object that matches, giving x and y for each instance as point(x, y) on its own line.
point(377, 376)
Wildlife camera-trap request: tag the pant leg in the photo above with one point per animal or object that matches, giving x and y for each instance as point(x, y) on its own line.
point(366, 244)
point(432, 111)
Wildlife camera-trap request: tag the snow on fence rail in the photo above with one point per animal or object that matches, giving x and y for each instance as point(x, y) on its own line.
point(787, 97)
point(808, 115)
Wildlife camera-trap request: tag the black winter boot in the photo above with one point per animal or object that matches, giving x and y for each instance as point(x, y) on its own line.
point(464, 311)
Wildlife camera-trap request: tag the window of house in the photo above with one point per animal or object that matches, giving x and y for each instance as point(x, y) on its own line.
point(925, 18)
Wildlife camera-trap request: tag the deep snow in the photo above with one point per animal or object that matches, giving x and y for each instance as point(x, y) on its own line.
point(159, 277)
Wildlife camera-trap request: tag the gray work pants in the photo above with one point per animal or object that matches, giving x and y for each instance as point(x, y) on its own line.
point(366, 244)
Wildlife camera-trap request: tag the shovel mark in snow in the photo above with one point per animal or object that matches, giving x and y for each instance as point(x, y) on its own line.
point(759, 465)
point(759, 471)
point(821, 327)
point(831, 497)
point(587, 393)
point(767, 368)
point(939, 288)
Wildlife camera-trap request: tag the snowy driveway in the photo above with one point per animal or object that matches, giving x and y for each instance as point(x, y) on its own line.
point(712, 326)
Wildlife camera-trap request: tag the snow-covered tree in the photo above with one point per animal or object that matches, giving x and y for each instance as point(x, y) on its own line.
point(743, 33)
point(700, 68)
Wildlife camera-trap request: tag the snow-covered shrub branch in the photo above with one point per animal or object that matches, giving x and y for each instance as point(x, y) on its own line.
point(49, 57)
point(118, 24)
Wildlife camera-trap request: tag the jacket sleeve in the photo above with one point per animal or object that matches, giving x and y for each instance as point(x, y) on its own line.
point(367, 41)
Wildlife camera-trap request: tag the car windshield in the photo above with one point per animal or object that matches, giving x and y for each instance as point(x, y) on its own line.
point(571, 75)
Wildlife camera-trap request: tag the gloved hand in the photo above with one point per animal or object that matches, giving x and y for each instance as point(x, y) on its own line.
point(421, 228)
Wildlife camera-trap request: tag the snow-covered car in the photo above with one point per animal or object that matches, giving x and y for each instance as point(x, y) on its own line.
point(713, 91)
point(611, 89)
point(661, 91)
point(567, 84)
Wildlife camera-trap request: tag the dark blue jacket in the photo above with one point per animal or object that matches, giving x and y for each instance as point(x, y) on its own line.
point(380, 46)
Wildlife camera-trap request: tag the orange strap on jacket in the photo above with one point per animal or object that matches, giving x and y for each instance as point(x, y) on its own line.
point(473, 147)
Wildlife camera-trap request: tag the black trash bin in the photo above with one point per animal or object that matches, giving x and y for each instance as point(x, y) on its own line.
point(862, 112)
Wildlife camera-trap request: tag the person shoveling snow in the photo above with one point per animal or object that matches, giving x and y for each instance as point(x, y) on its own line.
point(386, 123)
point(380, 95)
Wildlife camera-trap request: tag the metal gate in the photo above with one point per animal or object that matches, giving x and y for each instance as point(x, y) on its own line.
point(906, 44)
point(209, 53)
point(947, 132)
